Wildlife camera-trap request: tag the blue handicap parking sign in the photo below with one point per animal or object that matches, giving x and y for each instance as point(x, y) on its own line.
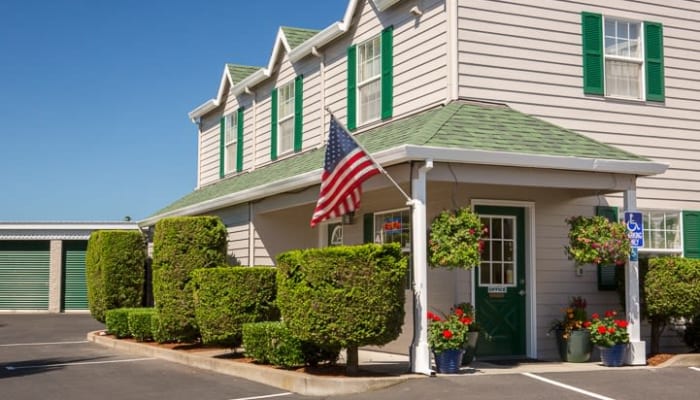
point(635, 228)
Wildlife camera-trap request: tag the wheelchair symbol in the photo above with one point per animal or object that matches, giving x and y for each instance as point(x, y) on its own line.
point(633, 226)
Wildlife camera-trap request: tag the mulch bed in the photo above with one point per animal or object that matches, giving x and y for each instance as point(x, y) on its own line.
point(658, 359)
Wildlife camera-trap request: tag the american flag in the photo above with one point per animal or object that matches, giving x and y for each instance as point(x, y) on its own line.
point(344, 170)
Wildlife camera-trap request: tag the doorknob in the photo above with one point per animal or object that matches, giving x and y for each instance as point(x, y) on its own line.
point(521, 292)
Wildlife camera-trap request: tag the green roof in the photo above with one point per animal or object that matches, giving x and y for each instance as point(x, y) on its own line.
point(457, 125)
point(297, 36)
point(240, 72)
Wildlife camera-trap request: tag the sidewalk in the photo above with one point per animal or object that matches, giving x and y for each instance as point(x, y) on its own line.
point(395, 368)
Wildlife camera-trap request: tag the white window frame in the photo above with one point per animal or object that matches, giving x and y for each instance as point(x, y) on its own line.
point(514, 240)
point(365, 82)
point(230, 142)
point(638, 60)
point(647, 232)
point(378, 233)
point(285, 121)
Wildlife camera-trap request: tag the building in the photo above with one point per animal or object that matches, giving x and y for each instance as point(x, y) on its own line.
point(529, 112)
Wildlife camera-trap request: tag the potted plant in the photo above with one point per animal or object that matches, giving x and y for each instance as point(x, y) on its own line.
point(610, 336)
point(467, 312)
point(447, 336)
point(455, 239)
point(598, 241)
point(573, 339)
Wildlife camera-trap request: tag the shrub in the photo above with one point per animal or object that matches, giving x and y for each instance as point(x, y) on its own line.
point(344, 296)
point(157, 332)
point(227, 297)
point(273, 343)
point(115, 271)
point(140, 323)
point(117, 322)
point(181, 245)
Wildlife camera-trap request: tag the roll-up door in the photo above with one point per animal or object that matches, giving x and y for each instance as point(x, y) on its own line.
point(24, 275)
point(74, 286)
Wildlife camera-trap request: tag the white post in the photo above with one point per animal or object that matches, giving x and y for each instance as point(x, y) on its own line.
point(420, 351)
point(637, 348)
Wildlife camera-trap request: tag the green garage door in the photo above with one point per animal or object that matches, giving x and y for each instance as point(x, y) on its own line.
point(24, 275)
point(74, 287)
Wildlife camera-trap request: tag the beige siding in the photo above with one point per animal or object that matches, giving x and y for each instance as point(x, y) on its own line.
point(528, 56)
point(209, 149)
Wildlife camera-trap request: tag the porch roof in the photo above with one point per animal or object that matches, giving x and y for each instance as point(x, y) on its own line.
point(461, 131)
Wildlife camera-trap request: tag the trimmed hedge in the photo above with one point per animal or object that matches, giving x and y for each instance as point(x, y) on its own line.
point(346, 296)
point(181, 245)
point(117, 322)
point(115, 271)
point(157, 332)
point(272, 343)
point(227, 297)
point(140, 323)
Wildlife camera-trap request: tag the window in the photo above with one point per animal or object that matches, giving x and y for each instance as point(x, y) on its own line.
point(622, 58)
point(286, 118)
point(370, 80)
point(498, 256)
point(285, 140)
point(662, 231)
point(393, 227)
point(231, 143)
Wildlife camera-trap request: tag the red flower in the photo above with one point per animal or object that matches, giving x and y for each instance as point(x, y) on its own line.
point(447, 334)
point(433, 317)
point(466, 320)
point(610, 314)
point(459, 312)
point(621, 323)
point(611, 330)
point(472, 231)
point(602, 330)
point(587, 324)
point(595, 315)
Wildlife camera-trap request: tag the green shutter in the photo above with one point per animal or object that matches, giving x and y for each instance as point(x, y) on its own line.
point(222, 147)
point(387, 72)
point(691, 234)
point(607, 274)
point(592, 38)
point(610, 213)
point(298, 112)
point(239, 141)
point(273, 125)
point(654, 60)
point(352, 88)
point(368, 228)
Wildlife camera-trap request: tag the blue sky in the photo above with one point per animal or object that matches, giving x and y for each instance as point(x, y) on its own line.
point(94, 96)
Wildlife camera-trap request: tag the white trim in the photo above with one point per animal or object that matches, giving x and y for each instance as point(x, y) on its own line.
point(452, 50)
point(384, 4)
point(530, 268)
point(203, 109)
point(318, 40)
point(65, 226)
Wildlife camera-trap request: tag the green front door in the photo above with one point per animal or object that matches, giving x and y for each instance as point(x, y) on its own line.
point(500, 283)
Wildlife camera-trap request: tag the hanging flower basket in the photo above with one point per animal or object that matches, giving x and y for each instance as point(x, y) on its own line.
point(455, 239)
point(595, 240)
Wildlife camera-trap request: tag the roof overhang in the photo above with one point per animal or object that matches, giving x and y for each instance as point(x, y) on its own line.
point(58, 230)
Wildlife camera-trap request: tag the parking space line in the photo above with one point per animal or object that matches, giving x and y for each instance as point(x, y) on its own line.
point(265, 396)
point(695, 368)
point(42, 343)
point(13, 368)
point(568, 387)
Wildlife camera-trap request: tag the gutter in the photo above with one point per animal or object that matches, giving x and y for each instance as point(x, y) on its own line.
point(318, 40)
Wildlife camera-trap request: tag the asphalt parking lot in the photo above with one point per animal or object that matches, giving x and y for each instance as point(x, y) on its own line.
point(47, 357)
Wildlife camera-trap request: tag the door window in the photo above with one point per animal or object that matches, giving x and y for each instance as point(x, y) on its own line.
point(498, 257)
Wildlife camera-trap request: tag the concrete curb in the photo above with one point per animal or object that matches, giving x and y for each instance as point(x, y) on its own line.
point(308, 385)
point(682, 360)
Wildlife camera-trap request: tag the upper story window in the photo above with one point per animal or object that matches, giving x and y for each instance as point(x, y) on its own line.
point(622, 58)
point(286, 118)
point(662, 231)
point(285, 140)
point(230, 142)
point(370, 80)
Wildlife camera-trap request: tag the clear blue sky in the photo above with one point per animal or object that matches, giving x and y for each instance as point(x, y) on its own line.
point(94, 96)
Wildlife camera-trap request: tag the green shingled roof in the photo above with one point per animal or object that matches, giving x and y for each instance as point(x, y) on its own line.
point(458, 125)
point(240, 72)
point(297, 36)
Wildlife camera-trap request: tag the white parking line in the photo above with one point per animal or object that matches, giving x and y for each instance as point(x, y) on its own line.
point(264, 397)
point(695, 368)
point(569, 387)
point(41, 344)
point(13, 368)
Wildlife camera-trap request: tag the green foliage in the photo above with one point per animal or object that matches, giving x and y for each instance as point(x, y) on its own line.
point(157, 332)
point(272, 343)
point(181, 245)
point(140, 323)
point(595, 240)
point(227, 297)
point(115, 271)
point(607, 331)
point(455, 239)
point(343, 296)
point(672, 287)
point(117, 322)
point(448, 333)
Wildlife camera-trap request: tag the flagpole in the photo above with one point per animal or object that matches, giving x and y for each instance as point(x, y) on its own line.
point(381, 169)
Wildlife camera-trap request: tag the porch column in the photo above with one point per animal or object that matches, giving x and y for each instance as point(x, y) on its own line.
point(637, 348)
point(420, 351)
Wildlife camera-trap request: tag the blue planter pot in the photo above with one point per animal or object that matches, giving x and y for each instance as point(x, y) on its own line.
point(613, 356)
point(449, 361)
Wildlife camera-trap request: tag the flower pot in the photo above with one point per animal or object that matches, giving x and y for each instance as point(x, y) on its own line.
point(613, 356)
point(470, 348)
point(577, 348)
point(448, 361)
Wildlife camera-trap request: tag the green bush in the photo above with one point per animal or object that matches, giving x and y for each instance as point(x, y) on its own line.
point(140, 323)
point(181, 245)
point(272, 343)
point(157, 332)
point(115, 271)
point(117, 322)
point(343, 296)
point(227, 297)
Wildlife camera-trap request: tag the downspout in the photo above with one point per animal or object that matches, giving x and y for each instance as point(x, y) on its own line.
point(255, 127)
point(637, 348)
point(322, 68)
point(452, 50)
point(251, 235)
point(420, 351)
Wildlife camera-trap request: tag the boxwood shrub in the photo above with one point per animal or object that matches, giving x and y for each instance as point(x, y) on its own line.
point(227, 297)
point(157, 332)
point(115, 271)
point(117, 322)
point(345, 296)
point(181, 245)
point(140, 323)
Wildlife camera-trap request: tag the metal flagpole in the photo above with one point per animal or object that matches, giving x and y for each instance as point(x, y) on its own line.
point(381, 169)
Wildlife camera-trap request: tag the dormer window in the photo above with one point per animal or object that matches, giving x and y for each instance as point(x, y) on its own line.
point(285, 138)
point(286, 125)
